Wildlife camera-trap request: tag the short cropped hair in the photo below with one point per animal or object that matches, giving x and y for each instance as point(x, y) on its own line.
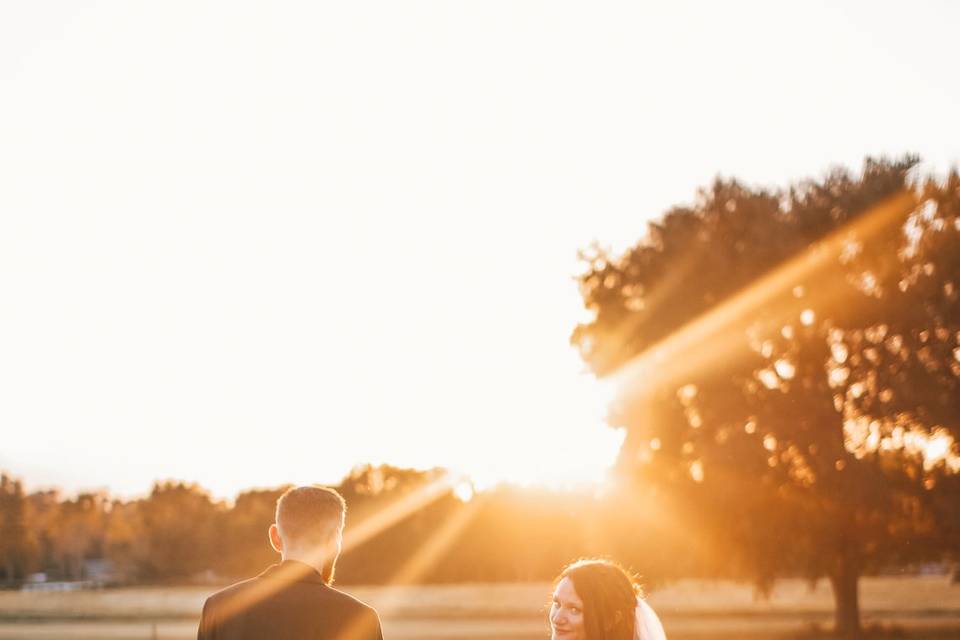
point(310, 514)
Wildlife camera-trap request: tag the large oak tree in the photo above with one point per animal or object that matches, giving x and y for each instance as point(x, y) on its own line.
point(788, 367)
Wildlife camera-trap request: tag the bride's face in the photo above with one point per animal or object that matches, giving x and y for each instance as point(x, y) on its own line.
point(566, 613)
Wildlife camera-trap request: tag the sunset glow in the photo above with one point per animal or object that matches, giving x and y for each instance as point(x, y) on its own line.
point(386, 320)
point(305, 240)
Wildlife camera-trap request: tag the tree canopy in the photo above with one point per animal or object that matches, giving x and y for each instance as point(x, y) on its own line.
point(788, 363)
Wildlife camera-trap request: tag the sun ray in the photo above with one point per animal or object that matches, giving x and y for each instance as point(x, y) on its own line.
point(422, 560)
point(358, 533)
point(700, 343)
point(683, 269)
point(439, 541)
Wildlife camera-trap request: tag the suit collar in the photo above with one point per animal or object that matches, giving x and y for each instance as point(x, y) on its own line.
point(293, 571)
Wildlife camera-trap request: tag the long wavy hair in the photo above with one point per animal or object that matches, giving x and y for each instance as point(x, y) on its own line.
point(609, 596)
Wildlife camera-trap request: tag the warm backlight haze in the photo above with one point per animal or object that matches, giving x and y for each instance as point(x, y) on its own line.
point(245, 247)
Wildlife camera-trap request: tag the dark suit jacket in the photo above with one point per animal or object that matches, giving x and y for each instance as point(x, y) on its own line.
point(288, 601)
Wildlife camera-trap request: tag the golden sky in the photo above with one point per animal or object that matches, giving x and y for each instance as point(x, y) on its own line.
point(243, 244)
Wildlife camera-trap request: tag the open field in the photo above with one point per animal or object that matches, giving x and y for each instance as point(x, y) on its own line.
point(925, 608)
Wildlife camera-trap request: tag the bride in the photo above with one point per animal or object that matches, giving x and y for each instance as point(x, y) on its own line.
point(598, 600)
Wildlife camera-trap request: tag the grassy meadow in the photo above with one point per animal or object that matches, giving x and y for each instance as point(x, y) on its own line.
point(926, 608)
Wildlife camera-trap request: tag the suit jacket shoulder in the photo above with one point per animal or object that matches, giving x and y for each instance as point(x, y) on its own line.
point(285, 602)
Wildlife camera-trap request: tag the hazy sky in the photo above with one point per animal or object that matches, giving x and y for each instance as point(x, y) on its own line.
point(250, 243)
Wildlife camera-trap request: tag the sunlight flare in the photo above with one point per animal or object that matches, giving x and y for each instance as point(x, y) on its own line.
point(358, 533)
point(705, 340)
point(424, 558)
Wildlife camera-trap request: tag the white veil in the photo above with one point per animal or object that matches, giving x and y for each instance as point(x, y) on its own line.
point(648, 625)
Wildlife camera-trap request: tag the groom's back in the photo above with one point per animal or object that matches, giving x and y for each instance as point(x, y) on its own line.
point(274, 606)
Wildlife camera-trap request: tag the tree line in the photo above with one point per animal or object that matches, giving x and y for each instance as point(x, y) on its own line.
point(179, 533)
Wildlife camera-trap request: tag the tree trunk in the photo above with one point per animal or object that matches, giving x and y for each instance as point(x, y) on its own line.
point(845, 583)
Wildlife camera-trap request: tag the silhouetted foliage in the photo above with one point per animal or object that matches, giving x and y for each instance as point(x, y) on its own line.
point(785, 358)
point(245, 548)
point(13, 531)
point(180, 532)
point(77, 533)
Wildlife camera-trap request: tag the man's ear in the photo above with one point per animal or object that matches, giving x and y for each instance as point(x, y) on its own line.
point(275, 541)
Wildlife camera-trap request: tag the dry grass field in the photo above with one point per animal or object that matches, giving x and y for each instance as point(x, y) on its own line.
point(923, 608)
